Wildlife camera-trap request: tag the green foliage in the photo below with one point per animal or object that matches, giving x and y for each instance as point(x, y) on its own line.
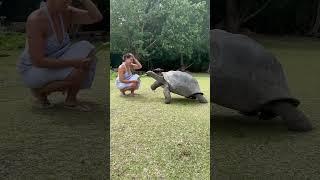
point(160, 32)
point(11, 40)
point(113, 74)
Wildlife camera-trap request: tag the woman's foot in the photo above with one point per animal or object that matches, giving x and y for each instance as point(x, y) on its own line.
point(41, 99)
point(133, 94)
point(37, 94)
point(122, 93)
point(43, 104)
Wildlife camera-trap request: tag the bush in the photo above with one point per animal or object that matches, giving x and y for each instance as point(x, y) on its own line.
point(113, 74)
point(11, 40)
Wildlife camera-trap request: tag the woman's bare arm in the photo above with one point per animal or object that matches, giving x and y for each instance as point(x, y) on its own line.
point(136, 64)
point(36, 28)
point(90, 15)
point(121, 73)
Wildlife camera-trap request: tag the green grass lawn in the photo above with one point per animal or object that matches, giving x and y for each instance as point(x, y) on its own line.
point(246, 148)
point(55, 143)
point(152, 140)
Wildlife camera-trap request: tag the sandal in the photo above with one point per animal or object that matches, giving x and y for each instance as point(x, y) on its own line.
point(78, 107)
point(43, 104)
point(123, 95)
point(41, 101)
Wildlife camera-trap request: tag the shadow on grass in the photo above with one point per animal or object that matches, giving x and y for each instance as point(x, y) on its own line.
point(239, 125)
point(4, 55)
point(175, 100)
point(67, 117)
point(137, 97)
point(185, 101)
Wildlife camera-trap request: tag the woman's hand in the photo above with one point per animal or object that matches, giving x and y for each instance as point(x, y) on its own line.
point(86, 63)
point(121, 75)
point(82, 64)
point(136, 64)
point(90, 15)
point(134, 81)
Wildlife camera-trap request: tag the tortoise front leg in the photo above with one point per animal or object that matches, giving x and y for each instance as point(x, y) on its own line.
point(166, 93)
point(155, 85)
point(295, 119)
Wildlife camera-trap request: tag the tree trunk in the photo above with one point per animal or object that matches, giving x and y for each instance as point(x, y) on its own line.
point(245, 19)
point(316, 26)
point(182, 65)
point(232, 16)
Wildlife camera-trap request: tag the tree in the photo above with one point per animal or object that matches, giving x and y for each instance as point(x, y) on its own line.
point(238, 12)
point(316, 26)
point(183, 30)
point(153, 29)
point(132, 23)
point(265, 16)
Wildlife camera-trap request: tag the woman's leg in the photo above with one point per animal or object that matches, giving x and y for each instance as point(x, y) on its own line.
point(123, 91)
point(41, 97)
point(76, 78)
point(133, 87)
point(55, 86)
point(42, 93)
point(71, 84)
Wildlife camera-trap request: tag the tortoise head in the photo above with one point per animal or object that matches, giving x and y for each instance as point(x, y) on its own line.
point(156, 76)
point(150, 73)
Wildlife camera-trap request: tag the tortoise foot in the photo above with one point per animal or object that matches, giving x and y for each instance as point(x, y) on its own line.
point(266, 115)
point(301, 126)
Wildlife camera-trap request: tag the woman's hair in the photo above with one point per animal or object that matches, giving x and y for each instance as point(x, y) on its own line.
point(126, 56)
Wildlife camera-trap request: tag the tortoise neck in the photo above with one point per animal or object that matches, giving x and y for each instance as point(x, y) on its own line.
point(156, 77)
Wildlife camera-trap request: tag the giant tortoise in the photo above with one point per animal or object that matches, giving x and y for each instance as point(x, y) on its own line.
point(247, 78)
point(177, 82)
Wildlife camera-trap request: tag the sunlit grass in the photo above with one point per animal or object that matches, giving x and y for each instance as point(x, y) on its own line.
point(151, 139)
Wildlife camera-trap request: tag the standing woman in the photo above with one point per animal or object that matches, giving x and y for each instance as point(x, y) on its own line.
point(50, 62)
point(126, 80)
